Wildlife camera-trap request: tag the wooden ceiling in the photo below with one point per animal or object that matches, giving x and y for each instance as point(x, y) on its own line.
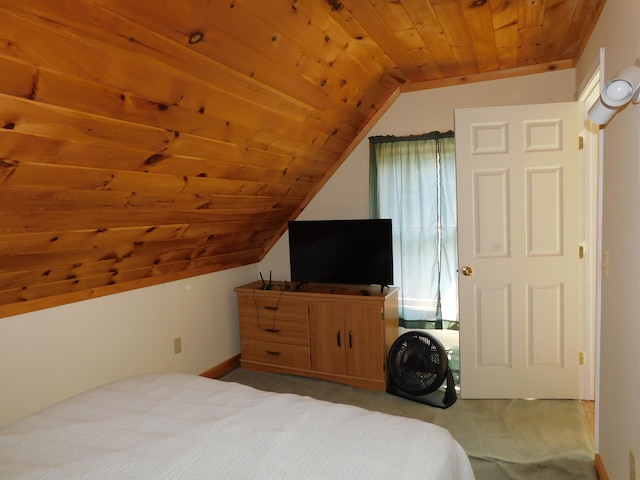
point(147, 141)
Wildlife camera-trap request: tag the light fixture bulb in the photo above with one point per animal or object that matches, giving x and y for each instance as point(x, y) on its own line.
point(617, 92)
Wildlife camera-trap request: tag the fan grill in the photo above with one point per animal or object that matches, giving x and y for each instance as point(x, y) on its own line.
point(418, 363)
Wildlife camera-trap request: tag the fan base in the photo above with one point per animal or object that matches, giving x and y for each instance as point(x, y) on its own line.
point(438, 398)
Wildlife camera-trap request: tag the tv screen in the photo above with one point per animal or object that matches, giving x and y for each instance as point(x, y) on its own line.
point(341, 251)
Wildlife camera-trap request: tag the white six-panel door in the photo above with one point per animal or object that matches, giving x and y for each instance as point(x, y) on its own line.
point(517, 187)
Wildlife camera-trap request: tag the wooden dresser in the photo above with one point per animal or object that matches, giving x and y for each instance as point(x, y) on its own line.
point(333, 332)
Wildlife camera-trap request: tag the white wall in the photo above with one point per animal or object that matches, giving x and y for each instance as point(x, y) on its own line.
point(49, 355)
point(619, 391)
point(346, 194)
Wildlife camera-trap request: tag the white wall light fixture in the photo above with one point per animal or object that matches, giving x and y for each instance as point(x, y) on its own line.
point(623, 88)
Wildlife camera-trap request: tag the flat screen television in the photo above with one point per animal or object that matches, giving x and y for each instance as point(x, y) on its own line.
point(341, 251)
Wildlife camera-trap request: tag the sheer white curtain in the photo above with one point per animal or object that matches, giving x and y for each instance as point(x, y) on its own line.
point(412, 181)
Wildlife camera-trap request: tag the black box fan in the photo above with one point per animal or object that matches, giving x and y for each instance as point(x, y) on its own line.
point(417, 367)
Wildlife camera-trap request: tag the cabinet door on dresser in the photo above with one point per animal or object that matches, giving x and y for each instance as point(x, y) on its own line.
point(365, 350)
point(347, 338)
point(326, 325)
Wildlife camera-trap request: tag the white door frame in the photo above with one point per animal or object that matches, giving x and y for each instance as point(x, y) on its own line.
point(594, 146)
point(590, 231)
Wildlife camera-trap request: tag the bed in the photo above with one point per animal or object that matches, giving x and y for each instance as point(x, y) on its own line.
point(178, 426)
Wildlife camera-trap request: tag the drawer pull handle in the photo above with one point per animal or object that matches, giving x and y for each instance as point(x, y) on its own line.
point(350, 339)
point(267, 307)
point(338, 338)
point(272, 330)
point(271, 352)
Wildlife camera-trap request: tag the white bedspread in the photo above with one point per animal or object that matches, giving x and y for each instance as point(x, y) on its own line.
point(176, 426)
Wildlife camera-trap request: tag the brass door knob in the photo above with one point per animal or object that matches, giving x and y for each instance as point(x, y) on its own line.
point(467, 271)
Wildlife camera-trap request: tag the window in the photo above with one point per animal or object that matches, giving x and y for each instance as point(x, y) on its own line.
point(412, 181)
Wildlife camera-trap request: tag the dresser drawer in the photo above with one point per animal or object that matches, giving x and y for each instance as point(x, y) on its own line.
point(271, 305)
point(281, 354)
point(275, 330)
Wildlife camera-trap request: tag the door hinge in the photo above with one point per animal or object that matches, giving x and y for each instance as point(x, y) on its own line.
point(580, 252)
point(580, 142)
point(581, 358)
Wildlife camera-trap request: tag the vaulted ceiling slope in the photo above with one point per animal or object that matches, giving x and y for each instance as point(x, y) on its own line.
point(147, 141)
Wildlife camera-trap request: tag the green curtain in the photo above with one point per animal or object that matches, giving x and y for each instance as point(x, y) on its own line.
point(413, 182)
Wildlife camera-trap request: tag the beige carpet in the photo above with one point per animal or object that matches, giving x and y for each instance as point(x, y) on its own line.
point(505, 439)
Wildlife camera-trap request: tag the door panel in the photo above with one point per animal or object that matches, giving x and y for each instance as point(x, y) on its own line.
point(517, 184)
